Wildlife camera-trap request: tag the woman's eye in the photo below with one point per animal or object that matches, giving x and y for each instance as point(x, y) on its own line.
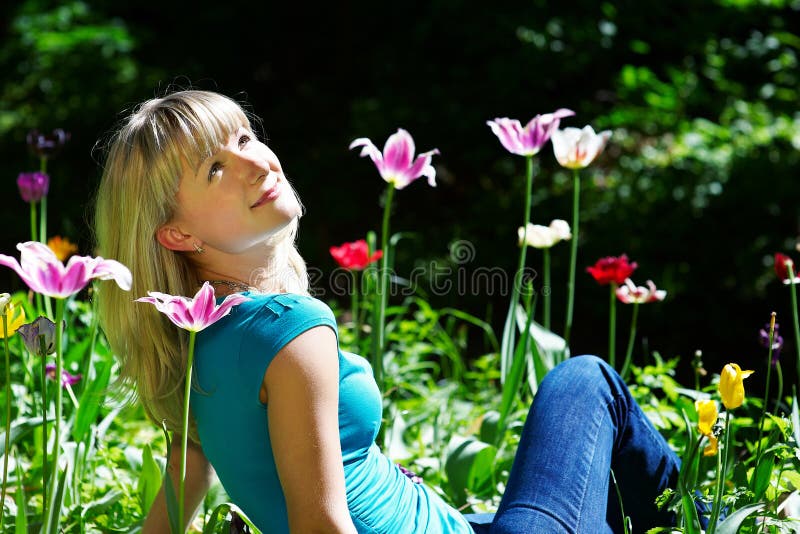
point(215, 168)
point(243, 140)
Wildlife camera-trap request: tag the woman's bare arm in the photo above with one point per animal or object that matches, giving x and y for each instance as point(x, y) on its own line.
point(199, 476)
point(302, 386)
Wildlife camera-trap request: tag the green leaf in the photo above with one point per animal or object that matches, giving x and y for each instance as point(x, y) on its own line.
point(57, 502)
point(21, 520)
point(509, 333)
point(488, 431)
point(512, 384)
point(762, 474)
point(169, 488)
point(221, 512)
point(548, 349)
point(469, 466)
point(103, 503)
point(733, 522)
point(19, 428)
point(90, 402)
point(795, 419)
point(149, 479)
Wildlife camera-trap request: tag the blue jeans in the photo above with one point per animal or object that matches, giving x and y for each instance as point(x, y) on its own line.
point(583, 423)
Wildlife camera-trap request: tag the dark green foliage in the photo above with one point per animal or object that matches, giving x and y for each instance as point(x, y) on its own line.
point(698, 183)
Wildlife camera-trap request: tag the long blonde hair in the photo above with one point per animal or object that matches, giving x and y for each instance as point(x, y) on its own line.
point(137, 195)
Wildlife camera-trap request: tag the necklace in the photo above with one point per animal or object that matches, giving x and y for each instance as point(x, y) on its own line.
point(235, 286)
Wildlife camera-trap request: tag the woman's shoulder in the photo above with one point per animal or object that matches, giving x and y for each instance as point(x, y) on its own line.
point(283, 307)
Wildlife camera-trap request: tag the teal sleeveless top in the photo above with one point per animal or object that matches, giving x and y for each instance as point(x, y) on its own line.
point(231, 357)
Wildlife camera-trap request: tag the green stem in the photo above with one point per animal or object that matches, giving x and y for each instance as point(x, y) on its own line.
point(779, 372)
point(43, 221)
point(60, 304)
point(45, 436)
point(43, 231)
point(354, 295)
point(88, 364)
point(8, 417)
point(43, 212)
point(382, 296)
point(612, 326)
point(722, 467)
point(766, 395)
point(573, 257)
point(631, 338)
point(793, 293)
point(187, 388)
point(510, 326)
point(34, 231)
point(546, 288)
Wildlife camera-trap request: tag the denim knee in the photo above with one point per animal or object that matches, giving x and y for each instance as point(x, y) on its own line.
point(585, 368)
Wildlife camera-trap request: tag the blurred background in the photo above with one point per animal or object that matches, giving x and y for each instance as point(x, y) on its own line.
point(698, 184)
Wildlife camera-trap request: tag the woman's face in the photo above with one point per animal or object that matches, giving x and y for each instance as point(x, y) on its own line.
point(237, 197)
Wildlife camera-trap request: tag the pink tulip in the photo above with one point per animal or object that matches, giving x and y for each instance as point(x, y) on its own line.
point(396, 164)
point(196, 313)
point(44, 273)
point(629, 293)
point(529, 140)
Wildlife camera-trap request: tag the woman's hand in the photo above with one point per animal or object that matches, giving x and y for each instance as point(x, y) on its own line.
point(302, 390)
point(199, 476)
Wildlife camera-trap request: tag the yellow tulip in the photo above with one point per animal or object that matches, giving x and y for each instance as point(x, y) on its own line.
point(707, 416)
point(15, 317)
point(712, 447)
point(731, 388)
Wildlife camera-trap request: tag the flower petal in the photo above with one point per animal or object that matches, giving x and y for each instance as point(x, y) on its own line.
point(508, 131)
point(369, 149)
point(398, 152)
point(112, 270)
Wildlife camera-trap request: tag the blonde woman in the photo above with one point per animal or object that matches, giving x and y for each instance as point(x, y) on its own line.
point(281, 415)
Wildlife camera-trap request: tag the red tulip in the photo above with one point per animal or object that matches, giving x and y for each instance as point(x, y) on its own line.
point(782, 265)
point(612, 269)
point(355, 255)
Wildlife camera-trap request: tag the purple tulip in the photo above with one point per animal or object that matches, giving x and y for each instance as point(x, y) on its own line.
point(196, 313)
point(44, 273)
point(529, 140)
point(67, 378)
point(33, 186)
point(396, 164)
point(777, 342)
point(31, 332)
point(47, 146)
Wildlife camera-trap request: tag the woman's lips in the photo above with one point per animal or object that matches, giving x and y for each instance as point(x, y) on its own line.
point(269, 195)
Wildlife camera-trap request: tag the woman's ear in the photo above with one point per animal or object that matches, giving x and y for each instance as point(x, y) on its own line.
point(171, 237)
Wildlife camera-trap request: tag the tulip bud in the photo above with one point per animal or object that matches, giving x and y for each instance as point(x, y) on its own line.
point(707, 416)
point(14, 315)
point(5, 300)
point(33, 186)
point(47, 146)
point(731, 388)
point(31, 333)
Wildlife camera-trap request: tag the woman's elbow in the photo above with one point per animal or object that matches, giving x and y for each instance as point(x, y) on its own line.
point(322, 522)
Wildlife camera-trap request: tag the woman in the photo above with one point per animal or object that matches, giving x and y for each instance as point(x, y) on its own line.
point(285, 418)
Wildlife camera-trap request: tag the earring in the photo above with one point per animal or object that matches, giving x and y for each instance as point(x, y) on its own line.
point(198, 248)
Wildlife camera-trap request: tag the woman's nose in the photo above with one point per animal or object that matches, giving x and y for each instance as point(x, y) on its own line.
point(251, 169)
